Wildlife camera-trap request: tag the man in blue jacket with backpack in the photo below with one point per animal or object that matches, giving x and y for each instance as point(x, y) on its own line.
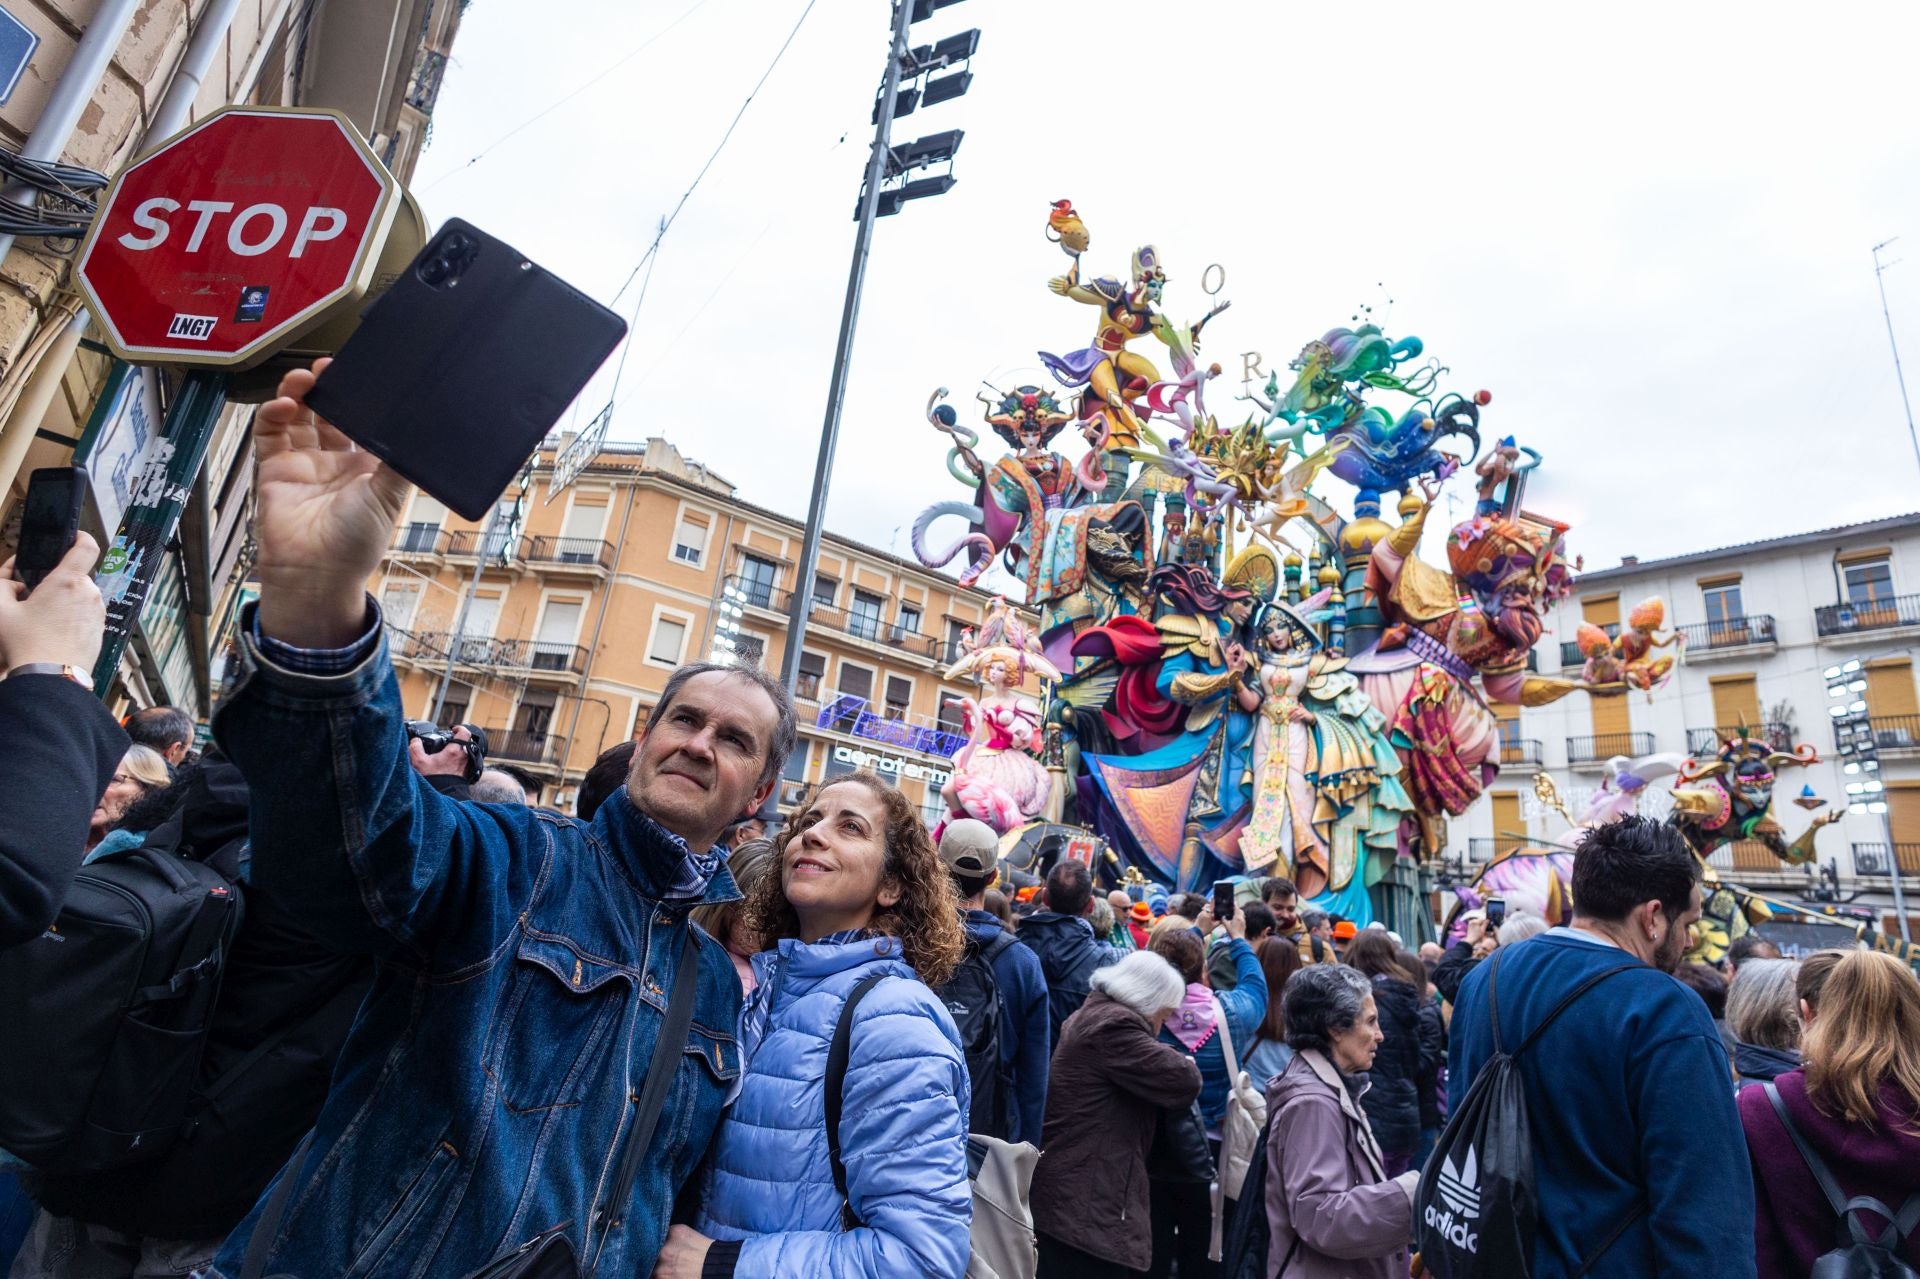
point(1639, 1161)
point(970, 850)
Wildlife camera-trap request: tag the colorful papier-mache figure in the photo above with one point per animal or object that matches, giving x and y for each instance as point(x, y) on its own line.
point(1633, 659)
point(1328, 802)
point(1115, 377)
point(996, 777)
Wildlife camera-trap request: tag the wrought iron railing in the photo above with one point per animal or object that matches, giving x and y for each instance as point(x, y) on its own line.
point(506, 654)
point(495, 546)
point(420, 539)
point(1731, 632)
point(519, 745)
point(1599, 749)
point(1520, 750)
point(1855, 616)
point(1706, 741)
point(1872, 859)
point(1896, 732)
point(584, 551)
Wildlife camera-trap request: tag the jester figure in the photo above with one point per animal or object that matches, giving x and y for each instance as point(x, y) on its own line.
point(1114, 376)
point(1455, 642)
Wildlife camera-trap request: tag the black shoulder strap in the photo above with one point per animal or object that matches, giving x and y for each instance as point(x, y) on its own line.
point(1613, 1236)
point(1553, 1015)
point(836, 1082)
point(997, 946)
point(668, 1049)
point(1901, 1223)
point(260, 1243)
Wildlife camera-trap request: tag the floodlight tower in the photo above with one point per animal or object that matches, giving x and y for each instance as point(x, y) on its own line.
point(1859, 750)
point(906, 86)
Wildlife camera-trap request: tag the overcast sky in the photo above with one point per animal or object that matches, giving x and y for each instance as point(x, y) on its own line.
point(1644, 228)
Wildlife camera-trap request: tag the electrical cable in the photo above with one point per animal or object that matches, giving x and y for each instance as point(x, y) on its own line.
point(535, 118)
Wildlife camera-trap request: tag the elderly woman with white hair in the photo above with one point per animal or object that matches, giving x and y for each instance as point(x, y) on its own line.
point(1109, 1081)
point(1332, 1212)
point(1763, 1012)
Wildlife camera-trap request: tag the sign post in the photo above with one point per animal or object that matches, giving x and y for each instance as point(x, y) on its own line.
point(213, 251)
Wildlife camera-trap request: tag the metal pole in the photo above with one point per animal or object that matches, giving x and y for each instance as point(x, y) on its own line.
point(1880, 278)
point(1893, 869)
point(800, 605)
point(209, 38)
point(460, 619)
point(159, 495)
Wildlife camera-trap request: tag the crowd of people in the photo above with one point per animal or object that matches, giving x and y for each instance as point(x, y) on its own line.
point(447, 1030)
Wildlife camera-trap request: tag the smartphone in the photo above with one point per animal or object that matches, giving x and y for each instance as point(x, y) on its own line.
point(49, 521)
point(1496, 912)
point(1223, 899)
point(459, 370)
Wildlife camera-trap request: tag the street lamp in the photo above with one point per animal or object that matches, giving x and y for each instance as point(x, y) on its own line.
point(1859, 751)
point(903, 88)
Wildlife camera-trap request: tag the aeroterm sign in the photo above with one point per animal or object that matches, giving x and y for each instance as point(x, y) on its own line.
point(236, 235)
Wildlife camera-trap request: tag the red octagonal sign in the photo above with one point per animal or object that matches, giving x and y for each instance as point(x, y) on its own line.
point(235, 236)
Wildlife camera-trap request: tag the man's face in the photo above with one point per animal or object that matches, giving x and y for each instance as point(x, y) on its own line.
point(1286, 913)
point(1671, 948)
point(698, 767)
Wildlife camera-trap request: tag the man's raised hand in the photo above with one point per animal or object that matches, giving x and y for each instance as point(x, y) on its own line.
point(326, 514)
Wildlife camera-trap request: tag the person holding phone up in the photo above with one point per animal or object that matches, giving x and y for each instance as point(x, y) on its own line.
point(543, 1057)
point(63, 743)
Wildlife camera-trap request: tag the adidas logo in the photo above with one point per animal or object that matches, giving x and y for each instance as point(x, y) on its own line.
point(1459, 1186)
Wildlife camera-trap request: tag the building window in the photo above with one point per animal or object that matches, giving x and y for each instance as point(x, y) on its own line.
point(955, 629)
point(398, 601)
point(909, 620)
point(669, 639)
point(1869, 582)
point(824, 590)
point(749, 650)
point(863, 619)
point(454, 709)
point(813, 669)
point(950, 716)
point(899, 696)
point(536, 713)
point(422, 533)
point(1724, 607)
point(757, 577)
point(793, 777)
point(689, 541)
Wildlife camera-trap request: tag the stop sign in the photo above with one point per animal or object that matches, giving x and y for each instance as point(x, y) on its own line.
point(236, 235)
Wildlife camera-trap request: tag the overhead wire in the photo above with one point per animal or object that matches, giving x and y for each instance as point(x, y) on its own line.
point(542, 114)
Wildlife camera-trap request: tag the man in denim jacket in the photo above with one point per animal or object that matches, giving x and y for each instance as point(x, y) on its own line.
point(525, 959)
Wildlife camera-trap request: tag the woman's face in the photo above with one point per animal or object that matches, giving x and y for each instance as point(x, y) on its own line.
point(834, 868)
point(121, 791)
point(1354, 1047)
point(997, 674)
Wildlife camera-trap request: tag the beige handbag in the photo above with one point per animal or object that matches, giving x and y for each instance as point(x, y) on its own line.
point(1240, 1130)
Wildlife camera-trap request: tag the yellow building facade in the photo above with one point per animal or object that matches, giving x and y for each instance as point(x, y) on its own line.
point(577, 619)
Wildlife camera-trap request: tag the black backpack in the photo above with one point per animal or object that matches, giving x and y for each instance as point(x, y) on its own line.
point(972, 997)
point(1859, 1256)
point(1244, 1253)
point(1475, 1214)
point(107, 1012)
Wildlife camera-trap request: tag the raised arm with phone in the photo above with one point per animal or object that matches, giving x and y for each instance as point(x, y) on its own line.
point(527, 963)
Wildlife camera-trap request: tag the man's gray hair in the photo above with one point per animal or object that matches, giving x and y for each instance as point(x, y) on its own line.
point(1763, 1007)
point(1143, 982)
point(496, 787)
point(1518, 928)
point(785, 733)
point(1313, 919)
point(1323, 1000)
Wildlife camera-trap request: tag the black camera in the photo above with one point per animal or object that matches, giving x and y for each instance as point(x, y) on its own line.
point(433, 739)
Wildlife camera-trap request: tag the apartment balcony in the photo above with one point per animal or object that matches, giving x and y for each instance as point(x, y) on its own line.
point(1731, 638)
point(1480, 851)
point(523, 746)
point(851, 714)
point(1872, 859)
point(1702, 742)
point(1869, 621)
point(1750, 856)
point(588, 555)
point(496, 548)
point(506, 656)
point(420, 541)
point(1590, 754)
point(860, 625)
point(1570, 655)
point(1896, 735)
point(1518, 752)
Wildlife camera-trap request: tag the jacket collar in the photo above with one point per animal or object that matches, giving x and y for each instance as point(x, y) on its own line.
point(658, 862)
point(1329, 1074)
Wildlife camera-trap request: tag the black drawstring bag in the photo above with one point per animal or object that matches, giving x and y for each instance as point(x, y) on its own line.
point(1475, 1214)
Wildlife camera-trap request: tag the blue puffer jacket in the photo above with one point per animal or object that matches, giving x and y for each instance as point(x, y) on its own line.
point(903, 1126)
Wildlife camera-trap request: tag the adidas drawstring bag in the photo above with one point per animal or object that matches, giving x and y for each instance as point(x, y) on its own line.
point(1475, 1214)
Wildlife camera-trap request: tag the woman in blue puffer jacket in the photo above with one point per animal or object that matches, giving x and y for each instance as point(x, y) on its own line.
point(860, 892)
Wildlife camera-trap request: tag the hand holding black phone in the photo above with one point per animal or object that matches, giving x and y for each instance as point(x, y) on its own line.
point(1223, 900)
point(49, 522)
point(457, 371)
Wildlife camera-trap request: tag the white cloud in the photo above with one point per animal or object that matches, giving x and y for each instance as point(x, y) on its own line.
point(1644, 227)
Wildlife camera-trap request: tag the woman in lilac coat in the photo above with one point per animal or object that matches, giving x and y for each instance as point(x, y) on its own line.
point(1331, 1209)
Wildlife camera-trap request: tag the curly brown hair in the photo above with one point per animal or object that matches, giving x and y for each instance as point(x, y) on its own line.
point(926, 919)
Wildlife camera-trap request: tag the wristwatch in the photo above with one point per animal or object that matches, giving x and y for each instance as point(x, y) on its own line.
point(73, 673)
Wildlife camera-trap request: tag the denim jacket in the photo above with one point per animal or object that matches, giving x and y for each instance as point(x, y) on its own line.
point(524, 964)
